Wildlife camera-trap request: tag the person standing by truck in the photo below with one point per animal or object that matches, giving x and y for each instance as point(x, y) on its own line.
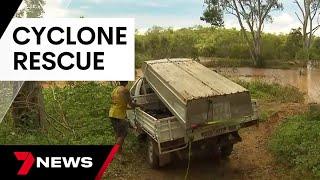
point(120, 99)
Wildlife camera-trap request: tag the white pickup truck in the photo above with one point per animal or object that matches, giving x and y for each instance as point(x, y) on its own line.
point(183, 102)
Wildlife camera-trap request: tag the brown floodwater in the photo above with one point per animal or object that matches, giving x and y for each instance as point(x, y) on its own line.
point(306, 79)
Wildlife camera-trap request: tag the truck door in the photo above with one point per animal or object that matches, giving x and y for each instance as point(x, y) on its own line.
point(134, 93)
point(140, 92)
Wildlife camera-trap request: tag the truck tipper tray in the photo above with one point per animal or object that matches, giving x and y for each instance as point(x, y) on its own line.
point(195, 94)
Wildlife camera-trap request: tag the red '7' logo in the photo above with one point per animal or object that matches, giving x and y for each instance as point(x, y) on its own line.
point(28, 159)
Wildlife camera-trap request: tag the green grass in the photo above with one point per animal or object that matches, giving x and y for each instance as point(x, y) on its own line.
point(76, 114)
point(296, 143)
point(272, 92)
point(265, 114)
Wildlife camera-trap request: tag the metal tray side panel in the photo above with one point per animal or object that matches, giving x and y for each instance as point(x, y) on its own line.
point(147, 122)
point(240, 105)
point(167, 96)
point(169, 129)
point(197, 111)
point(227, 107)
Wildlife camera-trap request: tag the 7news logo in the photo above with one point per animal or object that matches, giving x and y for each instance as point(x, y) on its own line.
point(33, 162)
point(50, 162)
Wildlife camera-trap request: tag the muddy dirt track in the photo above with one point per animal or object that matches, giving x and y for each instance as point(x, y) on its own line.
point(249, 160)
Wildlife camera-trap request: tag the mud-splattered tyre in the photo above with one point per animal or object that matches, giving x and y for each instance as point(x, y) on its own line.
point(153, 157)
point(226, 150)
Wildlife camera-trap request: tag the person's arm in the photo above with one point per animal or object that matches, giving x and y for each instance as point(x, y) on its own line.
point(128, 99)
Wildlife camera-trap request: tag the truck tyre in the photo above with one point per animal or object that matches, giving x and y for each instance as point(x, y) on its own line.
point(142, 138)
point(226, 150)
point(153, 157)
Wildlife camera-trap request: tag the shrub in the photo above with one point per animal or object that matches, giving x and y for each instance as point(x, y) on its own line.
point(76, 113)
point(297, 142)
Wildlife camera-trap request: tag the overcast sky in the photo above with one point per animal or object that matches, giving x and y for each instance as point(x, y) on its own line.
point(164, 13)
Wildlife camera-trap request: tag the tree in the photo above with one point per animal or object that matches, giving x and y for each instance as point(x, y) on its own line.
point(314, 50)
point(32, 9)
point(28, 106)
point(309, 10)
point(251, 16)
point(213, 14)
point(293, 43)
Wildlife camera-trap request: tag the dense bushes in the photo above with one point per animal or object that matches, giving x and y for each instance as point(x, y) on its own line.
point(76, 115)
point(297, 143)
point(196, 42)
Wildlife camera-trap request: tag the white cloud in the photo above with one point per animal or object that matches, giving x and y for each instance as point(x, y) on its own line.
point(84, 7)
point(154, 4)
point(284, 18)
point(231, 22)
point(63, 3)
point(97, 1)
point(54, 8)
point(282, 23)
point(144, 22)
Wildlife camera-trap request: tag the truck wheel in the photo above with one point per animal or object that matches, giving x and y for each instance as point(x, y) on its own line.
point(142, 138)
point(226, 150)
point(153, 157)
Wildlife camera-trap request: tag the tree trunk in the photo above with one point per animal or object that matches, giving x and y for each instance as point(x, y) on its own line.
point(304, 35)
point(306, 17)
point(257, 50)
point(28, 107)
point(309, 36)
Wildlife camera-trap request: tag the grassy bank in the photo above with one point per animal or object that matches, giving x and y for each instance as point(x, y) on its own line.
point(272, 92)
point(269, 95)
point(297, 143)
